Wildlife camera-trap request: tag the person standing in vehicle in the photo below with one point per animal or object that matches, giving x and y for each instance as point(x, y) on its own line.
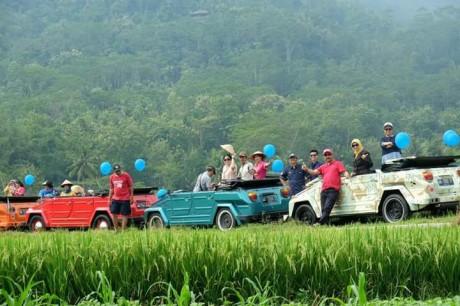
point(330, 190)
point(260, 166)
point(121, 196)
point(362, 162)
point(314, 164)
point(10, 188)
point(388, 143)
point(204, 180)
point(295, 175)
point(20, 190)
point(229, 169)
point(245, 167)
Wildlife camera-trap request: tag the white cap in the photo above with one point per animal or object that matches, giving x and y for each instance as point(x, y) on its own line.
point(388, 124)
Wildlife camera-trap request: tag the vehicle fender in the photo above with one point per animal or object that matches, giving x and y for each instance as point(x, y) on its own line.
point(304, 199)
point(37, 213)
point(159, 210)
point(401, 190)
point(105, 211)
point(232, 210)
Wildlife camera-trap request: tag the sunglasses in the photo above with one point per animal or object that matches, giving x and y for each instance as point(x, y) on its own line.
point(313, 155)
point(388, 129)
point(227, 159)
point(327, 154)
point(355, 145)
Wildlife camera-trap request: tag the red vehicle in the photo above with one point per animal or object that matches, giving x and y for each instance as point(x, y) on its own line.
point(13, 211)
point(85, 211)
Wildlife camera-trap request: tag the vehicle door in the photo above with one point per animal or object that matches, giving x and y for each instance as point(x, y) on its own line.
point(181, 204)
point(59, 210)
point(203, 206)
point(83, 211)
point(358, 195)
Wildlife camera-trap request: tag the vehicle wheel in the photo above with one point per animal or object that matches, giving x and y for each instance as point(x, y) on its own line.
point(102, 222)
point(155, 221)
point(395, 208)
point(305, 214)
point(225, 219)
point(37, 224)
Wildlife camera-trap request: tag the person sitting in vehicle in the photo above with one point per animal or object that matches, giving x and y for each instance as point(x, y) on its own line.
point(229, 168)
point(10, 188)
point(78, 190)
point(204, 180)
point(20, 190)
point(362, 162)
point(48, 190)
point(67, 191)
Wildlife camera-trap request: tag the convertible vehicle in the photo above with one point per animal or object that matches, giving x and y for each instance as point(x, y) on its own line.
point(85, 211)
point(13, 211)
point(404, 186)
point(234, 203)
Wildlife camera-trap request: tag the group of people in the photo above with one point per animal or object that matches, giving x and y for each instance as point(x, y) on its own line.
point(68, 190)
point(295, 175)
point(15, 188)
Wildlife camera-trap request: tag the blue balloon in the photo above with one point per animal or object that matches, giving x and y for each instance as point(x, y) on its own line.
point(269, 150)
point(402, 140)
point(29, 179)
point(139, 164)
point(277, 165)
point(452, 140)
point(162, 193)
point(445, 136)
point(105, 168)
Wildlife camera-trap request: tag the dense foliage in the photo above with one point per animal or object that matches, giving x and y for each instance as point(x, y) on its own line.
point(288, 261)
point(83, 82)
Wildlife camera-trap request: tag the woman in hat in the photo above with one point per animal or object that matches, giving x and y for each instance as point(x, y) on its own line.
point(388, 143)
point(67, 191)
point(362, 162)
point(260, 166)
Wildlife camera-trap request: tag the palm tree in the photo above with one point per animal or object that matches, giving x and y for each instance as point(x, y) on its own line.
point(83, 167)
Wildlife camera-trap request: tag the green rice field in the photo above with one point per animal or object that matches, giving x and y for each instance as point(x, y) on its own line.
point(257, 264)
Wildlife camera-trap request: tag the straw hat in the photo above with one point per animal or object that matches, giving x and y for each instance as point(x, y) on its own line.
point(260, 153)
point(66, 182)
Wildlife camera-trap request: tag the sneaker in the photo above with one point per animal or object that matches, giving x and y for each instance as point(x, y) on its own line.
point(316, 224)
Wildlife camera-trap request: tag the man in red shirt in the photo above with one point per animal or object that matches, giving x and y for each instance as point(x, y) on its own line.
point(330, 172)
point(120, 196)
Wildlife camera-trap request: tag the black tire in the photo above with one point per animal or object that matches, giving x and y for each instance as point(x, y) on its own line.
point(37, 224)
point(225, 219)
point(395, 208)
point(102, 222)
point(156, 221)
point(305, 214)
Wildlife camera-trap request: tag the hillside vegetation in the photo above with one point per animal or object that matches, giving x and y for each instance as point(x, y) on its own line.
point(82, 82)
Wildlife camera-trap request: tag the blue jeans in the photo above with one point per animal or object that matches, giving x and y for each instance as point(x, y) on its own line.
point(328, 199)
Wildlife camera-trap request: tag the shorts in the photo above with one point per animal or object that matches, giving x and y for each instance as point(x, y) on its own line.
point(122, 207)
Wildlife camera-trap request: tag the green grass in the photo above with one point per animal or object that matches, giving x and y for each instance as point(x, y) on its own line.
point(255, 264)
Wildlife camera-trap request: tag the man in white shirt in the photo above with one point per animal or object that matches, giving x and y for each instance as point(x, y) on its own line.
point(244, 172)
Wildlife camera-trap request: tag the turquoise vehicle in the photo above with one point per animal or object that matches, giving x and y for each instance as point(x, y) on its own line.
point(234, 203)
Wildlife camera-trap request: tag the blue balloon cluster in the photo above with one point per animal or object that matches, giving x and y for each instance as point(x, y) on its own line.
point(451, 138)
point(139, 164)
point(277, 165)
point(105, 168)
point(402, 140)
point(29, 179)
point(269, 150)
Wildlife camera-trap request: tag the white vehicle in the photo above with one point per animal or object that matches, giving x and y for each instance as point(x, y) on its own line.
point(404, 186)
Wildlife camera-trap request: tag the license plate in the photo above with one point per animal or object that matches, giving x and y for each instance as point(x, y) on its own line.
point(270, 198)
point(446, 181)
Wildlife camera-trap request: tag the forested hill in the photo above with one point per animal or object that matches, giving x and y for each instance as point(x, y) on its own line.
point(82, 82)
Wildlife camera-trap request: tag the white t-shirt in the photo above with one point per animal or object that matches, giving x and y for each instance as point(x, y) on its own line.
point(244, 171)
